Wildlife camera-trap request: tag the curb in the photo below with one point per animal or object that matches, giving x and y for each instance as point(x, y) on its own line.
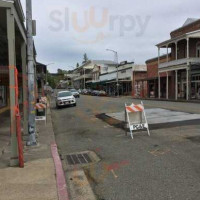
point(60, 177)
point(168, 100)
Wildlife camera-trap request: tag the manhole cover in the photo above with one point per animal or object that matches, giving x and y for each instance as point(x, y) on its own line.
point(78, 159)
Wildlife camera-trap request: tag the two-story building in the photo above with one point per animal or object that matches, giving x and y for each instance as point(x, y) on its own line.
point(179, 74)
point(125, 75)
point(88, 74)
point(152, 79)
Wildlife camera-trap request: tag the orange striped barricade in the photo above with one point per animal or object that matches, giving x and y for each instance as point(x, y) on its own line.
point(135, 118)
point(43, 100)
point(41, 112)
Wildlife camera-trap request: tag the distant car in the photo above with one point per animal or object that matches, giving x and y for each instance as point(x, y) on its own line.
point(95, 93)
point(85, 91)
point(80, 91)
point(65, 98)
point(102, 93)
point(89, 91)
point(75, 93)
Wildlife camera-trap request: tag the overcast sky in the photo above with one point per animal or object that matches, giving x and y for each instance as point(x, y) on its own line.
point(66, 29)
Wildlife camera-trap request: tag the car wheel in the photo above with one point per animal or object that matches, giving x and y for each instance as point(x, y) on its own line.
point(74, 105)
point(57, 106)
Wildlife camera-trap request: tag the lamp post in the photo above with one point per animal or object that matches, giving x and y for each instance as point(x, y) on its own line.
point(117, 78)
point(31, 75)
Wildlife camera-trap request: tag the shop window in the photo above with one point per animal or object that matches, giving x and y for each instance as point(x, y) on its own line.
point(198, 49)
point(3, 96)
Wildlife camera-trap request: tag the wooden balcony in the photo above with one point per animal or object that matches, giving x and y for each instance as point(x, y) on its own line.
point(184, 61)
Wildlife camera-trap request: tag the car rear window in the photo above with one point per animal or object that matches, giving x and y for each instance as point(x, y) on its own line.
point(64, 94)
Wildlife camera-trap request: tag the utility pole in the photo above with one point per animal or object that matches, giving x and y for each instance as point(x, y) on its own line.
point(117, 78)
point(31, 75)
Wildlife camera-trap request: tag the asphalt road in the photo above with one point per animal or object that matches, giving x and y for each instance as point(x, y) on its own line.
point(163, 166)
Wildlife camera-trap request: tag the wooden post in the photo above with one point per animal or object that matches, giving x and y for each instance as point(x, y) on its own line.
point(159, 85)
point(25, 87)
point(176, 85)
point(12, 63)
point(167, 86)
point(187, 83)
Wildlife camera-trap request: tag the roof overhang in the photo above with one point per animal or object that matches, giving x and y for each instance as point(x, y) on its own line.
point(17, 11)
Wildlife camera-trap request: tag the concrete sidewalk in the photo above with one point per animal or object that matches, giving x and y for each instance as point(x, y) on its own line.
point(4, 131)
point(37, 180)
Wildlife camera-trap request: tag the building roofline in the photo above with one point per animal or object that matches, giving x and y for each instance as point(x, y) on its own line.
point(38, 63)
point(19, 9)
point(178, 38)
point(156, 58)
point(182, 27)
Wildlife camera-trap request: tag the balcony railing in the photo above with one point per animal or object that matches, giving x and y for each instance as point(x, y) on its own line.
point(179, 62)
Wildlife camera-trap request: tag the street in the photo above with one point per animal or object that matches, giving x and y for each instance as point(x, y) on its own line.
point(162, 166)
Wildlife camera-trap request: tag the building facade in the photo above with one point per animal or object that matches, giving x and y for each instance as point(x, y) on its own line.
point(13, 69)
point(87, 75)
point(126, 75)
point(179, 75)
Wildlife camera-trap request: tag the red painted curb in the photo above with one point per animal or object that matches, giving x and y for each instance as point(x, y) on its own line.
point(60, 177)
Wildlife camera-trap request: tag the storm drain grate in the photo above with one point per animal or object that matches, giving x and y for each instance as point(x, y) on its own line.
point(77, 159)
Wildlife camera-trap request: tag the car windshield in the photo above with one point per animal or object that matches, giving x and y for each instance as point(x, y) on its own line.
point(73, 90)
point(64, 94)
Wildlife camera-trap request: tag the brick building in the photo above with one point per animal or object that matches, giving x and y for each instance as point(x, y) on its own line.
point(176, 75)
point(184, 64)
point(152, 78)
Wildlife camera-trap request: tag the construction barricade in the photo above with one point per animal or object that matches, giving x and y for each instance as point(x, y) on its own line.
point(18, 121)
point(41, 112)
point(135, 118)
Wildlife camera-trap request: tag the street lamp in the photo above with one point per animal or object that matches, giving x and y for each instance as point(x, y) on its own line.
point(117, 78)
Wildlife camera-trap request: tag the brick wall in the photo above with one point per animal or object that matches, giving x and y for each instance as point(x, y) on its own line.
point(152, 66)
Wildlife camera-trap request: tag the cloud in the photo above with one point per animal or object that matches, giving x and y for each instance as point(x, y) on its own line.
point(133, 28)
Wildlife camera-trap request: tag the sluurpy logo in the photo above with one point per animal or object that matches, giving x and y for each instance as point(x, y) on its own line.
point(96, 25)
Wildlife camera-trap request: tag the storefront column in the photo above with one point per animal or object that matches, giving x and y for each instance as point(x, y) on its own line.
point(187, 83)
point(12, 64)
point(176, 85)
point(159, 85)
point(167, 86)
point(25, 87)
point(167, 54)
point(158, 56)
point(188, 49)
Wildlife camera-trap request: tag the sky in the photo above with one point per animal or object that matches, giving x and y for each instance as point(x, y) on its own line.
point(66, 29)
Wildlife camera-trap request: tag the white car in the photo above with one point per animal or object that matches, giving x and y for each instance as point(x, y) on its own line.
point(65, 98)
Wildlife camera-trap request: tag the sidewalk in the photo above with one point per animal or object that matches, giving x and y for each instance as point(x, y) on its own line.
point(37, 180)
point(4, 131)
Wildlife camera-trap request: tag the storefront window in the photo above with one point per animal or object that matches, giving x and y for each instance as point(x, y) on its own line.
point(3, 97)
point(195, 87)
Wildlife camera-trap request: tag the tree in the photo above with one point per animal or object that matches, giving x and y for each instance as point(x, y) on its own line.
point(85, 58)
point(59, 71)
point(77, 65)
